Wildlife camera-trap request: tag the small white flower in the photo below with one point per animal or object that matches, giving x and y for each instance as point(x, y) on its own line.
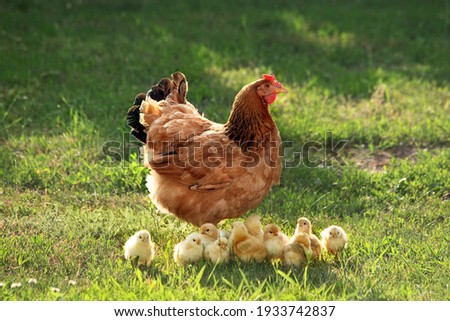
point(72, 282)
point(2, 284)
point(55, 289)
point(32, 281)
point(16, 285)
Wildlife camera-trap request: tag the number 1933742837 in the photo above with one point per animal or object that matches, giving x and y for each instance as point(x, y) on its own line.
point(293, 310)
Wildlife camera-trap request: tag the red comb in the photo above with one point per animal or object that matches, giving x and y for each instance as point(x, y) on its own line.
point(272, 78)
point(269, 77)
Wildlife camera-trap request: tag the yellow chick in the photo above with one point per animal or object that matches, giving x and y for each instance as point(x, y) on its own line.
point(218, 251)
point(254, 226)
point(304, 225)
point(275, 241)
point(190, 250)
point(140, 245)
point(224, 233)
point(246, 246)
point(334, 239)
point(210, 233)
point(297, 251)
point(316, 246)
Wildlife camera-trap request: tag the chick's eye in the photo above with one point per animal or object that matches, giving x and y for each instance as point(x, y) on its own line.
point(140, 236)
point(207, 230)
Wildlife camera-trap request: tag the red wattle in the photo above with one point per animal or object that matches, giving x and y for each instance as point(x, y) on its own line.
point(270, 98)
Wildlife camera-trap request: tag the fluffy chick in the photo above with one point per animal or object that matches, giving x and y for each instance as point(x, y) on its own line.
point(316, 246)
point(210, 233)
point(254, 226)
point(224, 233)
point(245, 246)
point(218, 251)
point(297, 251)
point(140, 245)
point(334, 239)
point(275, 241)
point(304, 226)
point(190, 250)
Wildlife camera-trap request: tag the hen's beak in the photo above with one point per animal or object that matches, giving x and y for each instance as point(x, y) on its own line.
point(279, 88)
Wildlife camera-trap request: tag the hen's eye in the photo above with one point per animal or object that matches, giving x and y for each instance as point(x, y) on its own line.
point(266, 85)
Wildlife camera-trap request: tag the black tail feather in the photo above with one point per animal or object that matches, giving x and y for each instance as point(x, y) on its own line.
point(161, 90)
point(138, 130)
point(141, 136)
point(158, 92)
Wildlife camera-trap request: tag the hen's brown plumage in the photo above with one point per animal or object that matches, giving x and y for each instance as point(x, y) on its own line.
point(202, 171)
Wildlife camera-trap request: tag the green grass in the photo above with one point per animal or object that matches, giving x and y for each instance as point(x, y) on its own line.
point(374, 74)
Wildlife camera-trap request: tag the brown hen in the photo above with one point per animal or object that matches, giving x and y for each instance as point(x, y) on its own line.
point(202, 171)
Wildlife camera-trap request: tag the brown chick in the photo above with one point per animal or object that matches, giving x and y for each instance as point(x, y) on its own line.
point(334, 239)
point(218, 251)
point(275, 241)
point(304, 225)
point(254, 226)
point(245, 246)
point(297, 251)
point(209, 233)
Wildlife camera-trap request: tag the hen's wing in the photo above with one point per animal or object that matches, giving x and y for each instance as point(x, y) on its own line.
point(193, 149)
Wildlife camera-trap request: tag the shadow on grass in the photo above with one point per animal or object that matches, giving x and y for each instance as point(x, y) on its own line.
point(338, 46)
point(255, 279)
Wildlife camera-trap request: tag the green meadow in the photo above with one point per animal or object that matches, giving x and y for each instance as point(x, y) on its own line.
point(366, 121)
